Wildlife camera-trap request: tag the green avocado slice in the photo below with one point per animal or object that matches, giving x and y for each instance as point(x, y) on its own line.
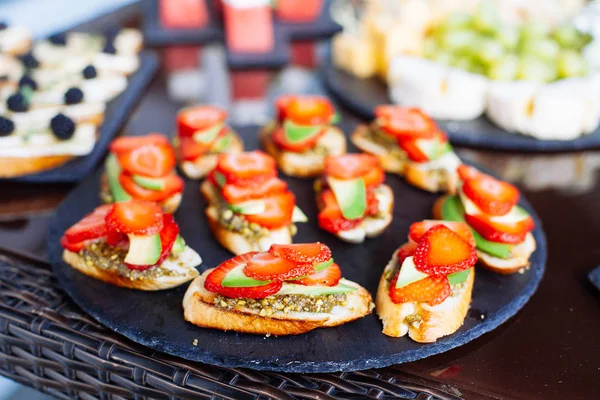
point(251, 207)
point(295, 133)
point(292, 288)
point(459, 277)
point(149, 183)
point(351, 195)
point(208, 135)
point(113, 169)
point(143, 250)
point(178, 245)
point(298, 215)
point(223, 143)
point(236, 278)
point(452, 210)
point(432, 148)
point(409, 274)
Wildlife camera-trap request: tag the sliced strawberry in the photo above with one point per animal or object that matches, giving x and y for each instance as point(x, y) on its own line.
point(406, 250)
point(405, 123)
point(432, 290)
point(281, 141)
point(413, 151)
point(127, 143)
point(330, 276)
point(138, 217)
point(189, 149)
point(331, 218)
point(306, 110)
point(173, 184)
point(442, 251)
point(148, 160)
point(499, 232)
point(92, 226)
point(418, 230)
point(466, 172)
point(247, 168)
point(350, 166)
point(281, 104)
point(74, 247)
point(168, 234)
point(374, 177)
point(192, 119)
point(302, 252)
point(236, 194)
point(493, 196)
point(214, 279)
point(114, 238)
point(267, 267)
point(372, 203)
point(278, 211)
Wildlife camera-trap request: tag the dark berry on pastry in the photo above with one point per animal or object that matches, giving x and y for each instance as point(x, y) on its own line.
point(27, 80)
point(109, 47)
point(73, 96)
point(29, 61)
point(62, 127)
point(6, 126)
point(17, 103)
point(58, 39)
point(3, 25)
point(90, 72)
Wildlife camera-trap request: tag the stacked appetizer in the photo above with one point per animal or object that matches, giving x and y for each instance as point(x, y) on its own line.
point(143, 168)
point(409, 143)
point(287, 290)
point(353, 202)
point(53, 98)
point(249, 207)
point(203, 134)
point(501, 228)
point(425, 290)
point(131, 244)
point(303, 135)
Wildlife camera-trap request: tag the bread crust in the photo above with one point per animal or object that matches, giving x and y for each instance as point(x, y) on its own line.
point(389, 163)
point(433, 322)
point(160, 283)
point(11, 167)
point(520, 259)
point(199, 309)
point(169, 205)
point(201, 166)
point(299, 164)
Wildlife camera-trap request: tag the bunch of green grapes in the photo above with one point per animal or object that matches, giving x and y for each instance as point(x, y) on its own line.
point(483, 44)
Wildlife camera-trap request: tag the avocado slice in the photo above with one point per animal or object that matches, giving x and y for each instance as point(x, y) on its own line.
point(459, 277)
point(143, 250)
point(452, 210)
point(409, 273)
point(209, 134)
point(351, 195)
point(336, 118)
point(178, 245)
point(298, 215)
point(149, 183)
point(292, 288)
point(223, 143)
point(113, 169)
point(220, 178)
point(432, 148)
point(295, 133)
point(251, 207)
point(236, 278)
point(323, 265)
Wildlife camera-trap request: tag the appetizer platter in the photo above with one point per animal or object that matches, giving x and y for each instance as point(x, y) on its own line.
point(64, 98)
point(493, 77)
point(412, 288)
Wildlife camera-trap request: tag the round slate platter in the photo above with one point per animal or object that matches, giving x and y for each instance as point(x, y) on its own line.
point(361, 96)
point(155, 319)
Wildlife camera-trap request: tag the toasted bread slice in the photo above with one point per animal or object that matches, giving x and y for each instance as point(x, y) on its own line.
point(200, 167)
point(371, 227)
point(169, 205)
point(390, 162)
point(307, 164)
point(440, 181)
point(505, 266)
point(199, 309)
point(425, 323)
point(183, 271)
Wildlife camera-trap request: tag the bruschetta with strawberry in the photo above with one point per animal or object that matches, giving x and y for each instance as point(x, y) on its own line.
point(303, 134)
point(132, 244)
point(249, 207)
point(502, 228)
point(203, 134)
point(287, 290)
point(142, 168)
point(425, 290)
point(352, 199)
point(409, 143)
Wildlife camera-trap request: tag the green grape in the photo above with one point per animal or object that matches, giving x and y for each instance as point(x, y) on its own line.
point(505, 69)
point(508, 36)
point(489, 51)
point(534, 30)
point(546, 49)
point(536, 70)
point(570, 63)
point(486, 17)
point(457, 40)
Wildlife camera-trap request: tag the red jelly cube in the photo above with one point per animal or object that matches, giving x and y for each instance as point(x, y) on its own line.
point(298, 10)
point(249, 29)
point(183, 13)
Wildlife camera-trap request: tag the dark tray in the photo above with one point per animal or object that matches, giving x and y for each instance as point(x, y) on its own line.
point(361, 96)
point(156, 319)
point(115, 117)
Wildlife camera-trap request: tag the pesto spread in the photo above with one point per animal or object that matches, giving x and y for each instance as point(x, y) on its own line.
point(284, 303)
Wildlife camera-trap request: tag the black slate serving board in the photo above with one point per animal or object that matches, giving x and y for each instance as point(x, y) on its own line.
point(115, 117)
point(361, 96)
point(155, 319)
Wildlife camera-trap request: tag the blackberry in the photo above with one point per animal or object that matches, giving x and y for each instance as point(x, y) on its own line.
point(6, 126)
point(17, 103)
point(62, 127)
point(109, 47)
point(29, 61)
point(73, 96)
point(58, 39)
point(90, 72)
point(3, 25)
point(27, 80)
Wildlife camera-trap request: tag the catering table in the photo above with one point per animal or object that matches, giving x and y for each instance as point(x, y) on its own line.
point(547, 351)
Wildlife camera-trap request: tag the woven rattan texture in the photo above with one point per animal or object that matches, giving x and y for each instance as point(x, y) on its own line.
point(48, 343)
